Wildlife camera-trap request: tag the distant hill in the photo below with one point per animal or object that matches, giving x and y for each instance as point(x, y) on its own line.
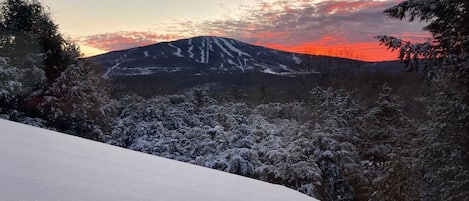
point(222, 61)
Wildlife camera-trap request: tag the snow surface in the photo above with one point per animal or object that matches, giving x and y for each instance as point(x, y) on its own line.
point(106, 75)
point(297, 59)
point(204, 52)
point(233, 48)
point(222, 48)
point(178, 52)
point(42, 165)
point(191, 54)
point(148, 70)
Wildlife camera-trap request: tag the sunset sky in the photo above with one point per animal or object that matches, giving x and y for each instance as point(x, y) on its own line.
point(336, 28)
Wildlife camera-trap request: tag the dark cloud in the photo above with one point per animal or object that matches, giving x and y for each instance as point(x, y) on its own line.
point(287, 22)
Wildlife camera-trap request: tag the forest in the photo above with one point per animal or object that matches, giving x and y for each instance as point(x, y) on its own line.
point(368, 136)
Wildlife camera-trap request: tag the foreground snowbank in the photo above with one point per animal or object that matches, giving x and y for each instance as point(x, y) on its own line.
point(41, 165)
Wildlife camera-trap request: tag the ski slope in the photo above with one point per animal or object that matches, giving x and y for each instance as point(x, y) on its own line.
point(42, 165)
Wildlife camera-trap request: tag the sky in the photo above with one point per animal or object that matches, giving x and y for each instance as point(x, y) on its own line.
point(321, 27)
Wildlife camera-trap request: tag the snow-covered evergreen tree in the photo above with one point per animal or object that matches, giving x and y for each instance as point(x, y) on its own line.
point(444, 157)
point(388, 150)
point(79, 102)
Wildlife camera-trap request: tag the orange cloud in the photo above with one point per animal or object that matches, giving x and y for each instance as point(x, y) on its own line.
point(124, 40)
point(365, 51)
point(334, 28)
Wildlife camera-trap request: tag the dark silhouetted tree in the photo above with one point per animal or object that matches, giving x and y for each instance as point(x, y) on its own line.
point(27, 30)
point(42, 75)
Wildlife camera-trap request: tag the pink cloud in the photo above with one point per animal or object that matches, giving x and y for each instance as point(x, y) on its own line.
point(124, 40)
point(344, 7)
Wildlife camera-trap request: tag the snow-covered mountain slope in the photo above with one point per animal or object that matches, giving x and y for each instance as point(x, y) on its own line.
point(207, 54)
point(42, 165)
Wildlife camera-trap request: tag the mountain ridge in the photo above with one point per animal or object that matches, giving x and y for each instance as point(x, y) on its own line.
point(210, 53)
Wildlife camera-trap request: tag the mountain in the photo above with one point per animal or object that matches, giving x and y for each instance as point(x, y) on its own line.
point(42, 165)
point(209, 59)
point(204, 54)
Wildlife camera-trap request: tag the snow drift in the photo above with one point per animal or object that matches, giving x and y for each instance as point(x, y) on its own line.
point(42, 165)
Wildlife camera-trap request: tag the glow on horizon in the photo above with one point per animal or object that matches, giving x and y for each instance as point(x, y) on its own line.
point(319, 27)
point(90, 51)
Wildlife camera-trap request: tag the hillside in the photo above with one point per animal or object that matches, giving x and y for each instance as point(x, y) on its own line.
point(42, 165)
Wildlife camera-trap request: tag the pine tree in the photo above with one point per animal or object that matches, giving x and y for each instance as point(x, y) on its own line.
point(444, 160)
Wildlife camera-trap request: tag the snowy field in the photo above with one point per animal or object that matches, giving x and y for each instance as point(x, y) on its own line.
point(42, 165)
